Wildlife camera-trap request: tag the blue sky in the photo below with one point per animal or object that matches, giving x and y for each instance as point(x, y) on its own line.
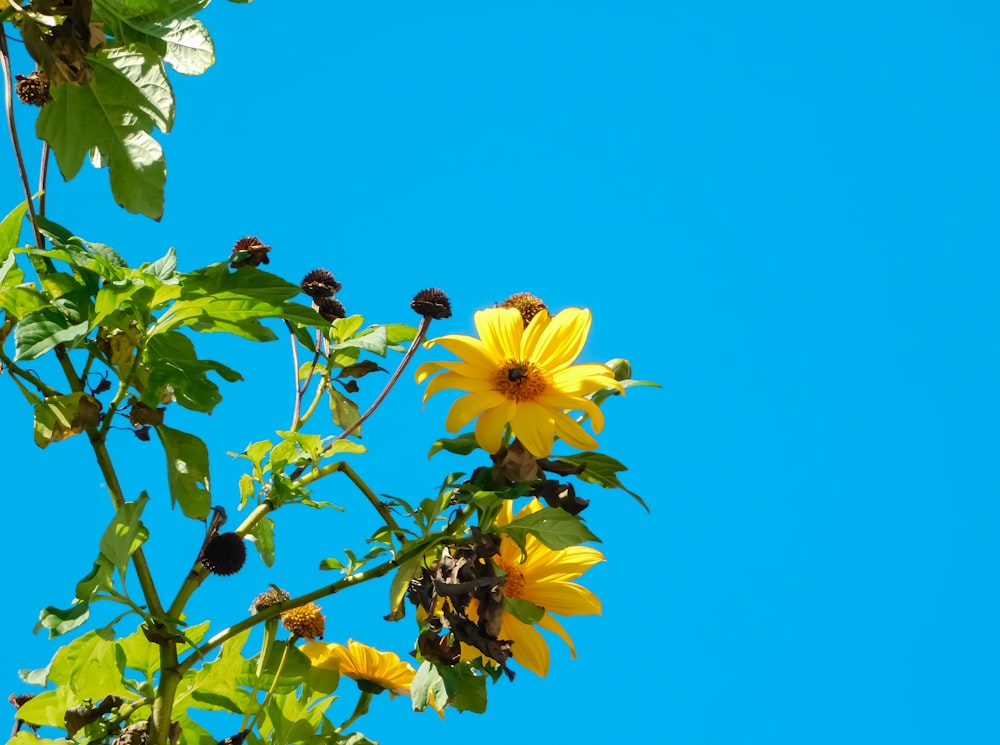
point(786, 213)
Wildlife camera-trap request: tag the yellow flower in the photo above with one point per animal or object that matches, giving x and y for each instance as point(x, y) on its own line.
point(521, 376)
point(544, 577)
point(364, 664)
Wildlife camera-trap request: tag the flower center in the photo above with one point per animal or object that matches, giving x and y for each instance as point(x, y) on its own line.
point(520, 380)
point(515, 580)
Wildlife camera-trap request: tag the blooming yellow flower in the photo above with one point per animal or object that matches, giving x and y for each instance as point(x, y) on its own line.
point(544, 577)
point(363, 664)
point(521, 376)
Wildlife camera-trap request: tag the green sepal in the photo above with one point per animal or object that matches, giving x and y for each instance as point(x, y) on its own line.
point(461, 445)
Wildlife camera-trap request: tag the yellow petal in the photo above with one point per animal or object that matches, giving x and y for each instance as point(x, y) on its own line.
point(558, 400)
point(470, 349)
point(533, 425)
point(573, 434)
point(468, 407)
point(491, 423)
point(450, 380)
point(562, 340)
point(579, 380)
point(500, 329)
point(549, 623)
point(546, 565)
point(528, 647)
point(564, 598)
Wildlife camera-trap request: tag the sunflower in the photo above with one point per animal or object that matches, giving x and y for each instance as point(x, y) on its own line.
point(522, 376)
point(543, 577)
point(370, 667)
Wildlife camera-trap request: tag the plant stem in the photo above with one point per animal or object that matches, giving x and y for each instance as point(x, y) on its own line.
point(364, 701)
point(274, 683)
point(166, 692)
point(37, 262)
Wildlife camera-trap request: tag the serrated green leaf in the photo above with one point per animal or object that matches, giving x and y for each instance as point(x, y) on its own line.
point(187, 472)
point(343, 328)
point(555, 528)
point(164, 268)
point(125, 533)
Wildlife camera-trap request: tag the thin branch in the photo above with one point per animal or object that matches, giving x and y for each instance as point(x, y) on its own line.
point(9, 105)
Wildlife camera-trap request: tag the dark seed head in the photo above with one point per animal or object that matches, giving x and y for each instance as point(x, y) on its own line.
point(432, 302)
point(225, 554)
point(249, 251)
point(527, 304)
point(33, 89)
point(320, 283)
point(330, 308)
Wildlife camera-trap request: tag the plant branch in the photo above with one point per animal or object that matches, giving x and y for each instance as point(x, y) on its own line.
point(9, 105)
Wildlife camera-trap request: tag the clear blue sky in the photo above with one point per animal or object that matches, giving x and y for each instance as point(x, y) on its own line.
point(786, 213)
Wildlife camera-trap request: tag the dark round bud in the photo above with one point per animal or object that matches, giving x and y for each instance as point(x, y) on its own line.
point(33, 89)
point(330, 308)
point(526, 304)
point(225, 554)
point(320, 283)
point(432, 302)
point(249, 251)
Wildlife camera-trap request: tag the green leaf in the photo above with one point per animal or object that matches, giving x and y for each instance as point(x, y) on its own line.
point(343, 328)
point(125, 533)
point(170, 31)
point(173, 362)
point(20, 301)
point(554, 527)
point(10, 230)
point(461, 445)
point(465, 686)
point(427, 685)
point(187, 472)
point(141, 654)
point(523, 610)
point(163, 269)
point(328, 564)
point(47, 708)
point(59, 621)
point(44, 329)
point(262, 535)
point(212, 687)
point(114, 114)
point(600, 469)
point(343, 410)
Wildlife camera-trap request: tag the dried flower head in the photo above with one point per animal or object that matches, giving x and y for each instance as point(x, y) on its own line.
point(249, 251)
point(134, 734)
point(330, 308)
point(33, 89)
point(224, 554)
point(266, 599)
point(306, 621)
point(432, 302)
point(526, 304)
point(320, 283)
point(20, 699)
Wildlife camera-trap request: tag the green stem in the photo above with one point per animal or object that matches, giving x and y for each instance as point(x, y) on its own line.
point(166, 692)
point(270, 632)
point(274, 684)
point(41, 265)
point(364, 701)
point(118, 497)
point(275, 610)
point(27, 376)
point(372, 497)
